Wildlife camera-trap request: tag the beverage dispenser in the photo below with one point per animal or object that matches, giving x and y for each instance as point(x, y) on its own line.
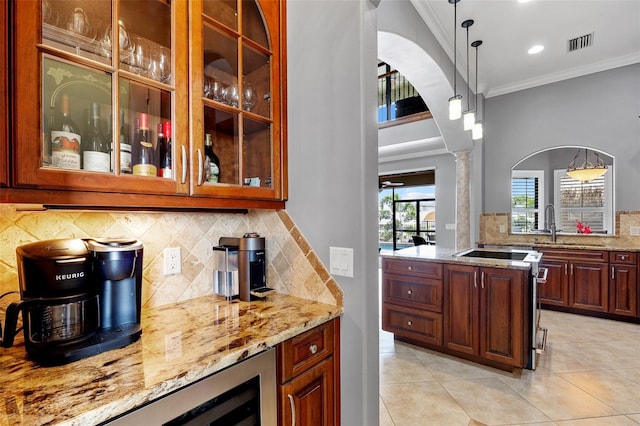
point(240, 267)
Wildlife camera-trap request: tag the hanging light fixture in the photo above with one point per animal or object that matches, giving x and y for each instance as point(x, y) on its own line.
point(586, 171)
point(476, 131)
point(455, 102)
point(469, 116)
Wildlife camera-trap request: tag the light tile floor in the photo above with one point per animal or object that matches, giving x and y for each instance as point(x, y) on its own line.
point(590, 375)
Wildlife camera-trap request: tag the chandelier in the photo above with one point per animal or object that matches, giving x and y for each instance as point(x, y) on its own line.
point(588, 170)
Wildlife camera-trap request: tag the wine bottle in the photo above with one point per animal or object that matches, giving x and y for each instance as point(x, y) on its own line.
point(145, 165)
point(65, 140)
point(165, 151)
point(125, 147)
point(96, 156)
point(214, 162)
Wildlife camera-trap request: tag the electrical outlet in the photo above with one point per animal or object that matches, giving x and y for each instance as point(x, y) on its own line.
point(172, 261)
point(635, 230)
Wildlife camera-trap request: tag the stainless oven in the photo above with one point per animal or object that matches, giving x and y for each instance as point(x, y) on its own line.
point(243, 394)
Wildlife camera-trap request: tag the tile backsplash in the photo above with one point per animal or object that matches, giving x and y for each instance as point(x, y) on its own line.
point(292, 266)
point(491, 225)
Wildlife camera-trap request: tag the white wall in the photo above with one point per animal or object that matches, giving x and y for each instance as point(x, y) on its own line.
point(333, 170)
point(599, 110)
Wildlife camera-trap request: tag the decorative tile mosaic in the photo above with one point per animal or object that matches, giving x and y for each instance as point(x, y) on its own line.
point(292, 266)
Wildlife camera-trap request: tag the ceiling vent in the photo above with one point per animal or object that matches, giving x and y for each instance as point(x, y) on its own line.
point(580, 42)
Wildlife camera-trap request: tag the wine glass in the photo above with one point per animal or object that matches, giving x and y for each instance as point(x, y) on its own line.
point(125, 43)
point(249, 95)
point(218, 90)
point(231, 95)
point(140, 55)
point(161, 64)
point(106, 46)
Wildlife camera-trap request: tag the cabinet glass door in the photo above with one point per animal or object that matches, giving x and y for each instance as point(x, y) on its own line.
point(102, 64)
point(236, 105)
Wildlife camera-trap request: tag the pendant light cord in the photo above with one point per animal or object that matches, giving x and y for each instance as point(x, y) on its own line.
point(468, 109)
point(455, 41)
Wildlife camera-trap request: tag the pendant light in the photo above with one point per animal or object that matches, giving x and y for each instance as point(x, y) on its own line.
point(469, 116)
point(476, 131)
point(587, 171)
point(455, 102)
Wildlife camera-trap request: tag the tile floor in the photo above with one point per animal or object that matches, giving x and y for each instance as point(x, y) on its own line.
point(590, 375)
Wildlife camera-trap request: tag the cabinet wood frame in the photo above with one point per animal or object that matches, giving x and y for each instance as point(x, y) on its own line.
point(308, 374)
point(30, 183)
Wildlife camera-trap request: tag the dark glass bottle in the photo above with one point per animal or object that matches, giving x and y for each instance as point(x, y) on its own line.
point(95, 156)
point(145, 164)
point(125, 147)
point(65, 140)
point(165, 151)
point(212, 166)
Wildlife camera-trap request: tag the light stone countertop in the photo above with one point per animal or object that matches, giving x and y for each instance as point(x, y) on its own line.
point(444, 255)
point(180, 343)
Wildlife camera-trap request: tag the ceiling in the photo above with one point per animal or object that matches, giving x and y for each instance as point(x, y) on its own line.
point(508, 28)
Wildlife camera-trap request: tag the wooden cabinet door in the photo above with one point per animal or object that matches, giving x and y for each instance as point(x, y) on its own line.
point(589, 286)
point(4, 97)
point(307, 400)
point(623, 290)
point(461, 308)
point(556, 290)
point(502, 312)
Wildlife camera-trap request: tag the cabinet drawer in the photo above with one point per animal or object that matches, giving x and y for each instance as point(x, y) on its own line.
point(625, 257)
point(417, 292)
point(583, 255)
point(412, 323)
point(303, 352)
point(413, 267)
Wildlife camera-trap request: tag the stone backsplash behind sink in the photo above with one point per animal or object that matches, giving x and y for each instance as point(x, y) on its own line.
point(293, 267)
point(492, 223)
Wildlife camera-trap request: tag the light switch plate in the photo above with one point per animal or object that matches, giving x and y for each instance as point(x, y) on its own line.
point(341, 261)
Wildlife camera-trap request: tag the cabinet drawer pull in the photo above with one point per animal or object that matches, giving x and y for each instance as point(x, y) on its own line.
point(184, 164)
point(293, 410)
point(475, 279)
point(482, 279)
point(313, 348)
point(613, 272)
point(409, 323)
point(409, 292)
point(200, 167)
point(409, 268)
point(623, 257)
point(572, 269)
point(565, 269)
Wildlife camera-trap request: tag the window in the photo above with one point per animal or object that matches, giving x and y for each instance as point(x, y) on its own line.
point(527, 200)
point(589, 203)
point(404, 212)
point(397, 97)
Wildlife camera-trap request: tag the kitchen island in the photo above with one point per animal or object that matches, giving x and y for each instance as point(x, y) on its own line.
point(476, 308)
point(181, 343)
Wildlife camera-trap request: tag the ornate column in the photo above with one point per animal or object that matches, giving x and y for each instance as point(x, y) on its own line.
point(463, 210)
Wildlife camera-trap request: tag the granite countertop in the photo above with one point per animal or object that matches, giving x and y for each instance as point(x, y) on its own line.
point(181, 343)
point(541, 245)
point(444, 255)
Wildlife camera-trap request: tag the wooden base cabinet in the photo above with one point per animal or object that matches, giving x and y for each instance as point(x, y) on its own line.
point(623, 285)
point(308, 371)
point(484, 313)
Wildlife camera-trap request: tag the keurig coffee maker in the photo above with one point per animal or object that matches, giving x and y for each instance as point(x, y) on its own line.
point(79, 297)
point(240, 267)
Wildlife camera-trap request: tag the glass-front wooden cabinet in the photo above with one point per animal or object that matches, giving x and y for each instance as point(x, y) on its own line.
point(4, 96)
point(236, 99)
point(114, 101)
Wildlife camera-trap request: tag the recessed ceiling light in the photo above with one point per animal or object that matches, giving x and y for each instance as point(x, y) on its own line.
point(536, 49)
point(523, 1)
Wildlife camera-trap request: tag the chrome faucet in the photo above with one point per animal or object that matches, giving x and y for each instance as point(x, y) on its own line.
point(552, 223)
